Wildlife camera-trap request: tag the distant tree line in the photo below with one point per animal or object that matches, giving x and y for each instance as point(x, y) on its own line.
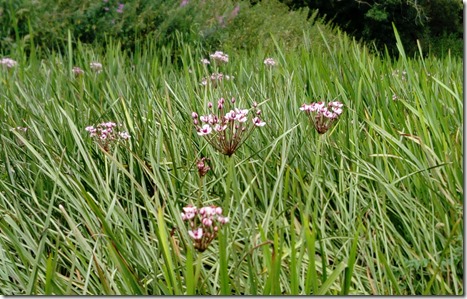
point(437, 24)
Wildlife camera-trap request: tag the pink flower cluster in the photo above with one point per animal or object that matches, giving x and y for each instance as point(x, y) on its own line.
point(8, 62)
point(226, 129)
point(323, 116)
point(120, 7)
point(215, 79)
point(204, 223)
point(220, 57)
point(77, 71)
point(96, 66)
point(106, 135)
point(269, 62)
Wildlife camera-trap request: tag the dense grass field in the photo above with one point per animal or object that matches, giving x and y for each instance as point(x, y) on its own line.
point(372, 206)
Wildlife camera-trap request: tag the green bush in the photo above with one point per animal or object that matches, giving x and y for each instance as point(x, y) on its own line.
point(371, 21)
point(45, 25)
point(48, 22)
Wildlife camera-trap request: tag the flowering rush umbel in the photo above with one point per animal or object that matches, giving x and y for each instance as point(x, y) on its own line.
point(225, 129)
point(8, 62)
point(323, 115)
point(106, 134)
point(203, 224)
point(96, 66)
point(220, 56)
point(214, 79)
point(77, 71)
point(269, 62)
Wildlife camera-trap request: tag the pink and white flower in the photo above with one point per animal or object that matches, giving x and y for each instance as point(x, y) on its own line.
point(205, 130)
point(269, 62)
point(228, 129)
point(323, 116)
point(204, 224)
point(220, 56)
point(196, 234)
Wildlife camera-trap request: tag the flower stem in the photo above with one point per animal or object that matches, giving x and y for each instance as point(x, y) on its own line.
point(229, 182)
point(199, 264)
point(315, 179)
point(200, 191)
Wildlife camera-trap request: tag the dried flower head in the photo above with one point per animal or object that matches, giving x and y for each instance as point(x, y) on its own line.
point(323, 116)
point(202, 166)
point(226, 130)
point(203, 224)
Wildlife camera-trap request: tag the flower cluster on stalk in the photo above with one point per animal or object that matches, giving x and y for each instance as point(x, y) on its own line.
point(226, 130)
point(96, 66)
point(77, 71)
point(220, 56)
point(8, 62)
point(203, 224)
point(106, 134)
point(269, 62)
point(323, 115)
point(214, 79)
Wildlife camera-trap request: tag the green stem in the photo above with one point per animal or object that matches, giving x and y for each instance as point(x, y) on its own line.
point(199, 264)
point(200, 191)
point(315, 180)
point(229, 183)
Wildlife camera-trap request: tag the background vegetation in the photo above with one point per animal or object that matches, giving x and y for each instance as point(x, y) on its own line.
point(374, 206)
point(437, 24)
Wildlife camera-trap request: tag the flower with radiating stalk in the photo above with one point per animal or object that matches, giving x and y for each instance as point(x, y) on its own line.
point(8, 62)
point(106, 134)
point(323, 115)
point(220, 57)
point(227, 128)
point(96, 66)
point(203, 224)
point(269, 62)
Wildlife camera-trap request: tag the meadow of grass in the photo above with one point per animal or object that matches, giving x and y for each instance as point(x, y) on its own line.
point(373, 206)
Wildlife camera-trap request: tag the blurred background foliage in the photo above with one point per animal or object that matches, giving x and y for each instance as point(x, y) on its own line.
point(437, 24)
point(44, 25)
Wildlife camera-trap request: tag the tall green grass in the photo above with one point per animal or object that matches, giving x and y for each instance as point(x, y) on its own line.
point(374, 206)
